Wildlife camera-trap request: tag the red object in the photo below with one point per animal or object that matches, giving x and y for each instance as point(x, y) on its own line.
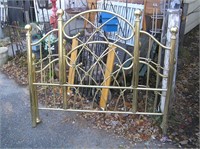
point(53, 18)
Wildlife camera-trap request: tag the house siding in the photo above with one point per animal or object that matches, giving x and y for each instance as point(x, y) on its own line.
point(192, 18)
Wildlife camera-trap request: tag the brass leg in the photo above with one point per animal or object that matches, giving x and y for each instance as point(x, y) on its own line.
point(33, 110)
point(38, 120)
point(136, 54)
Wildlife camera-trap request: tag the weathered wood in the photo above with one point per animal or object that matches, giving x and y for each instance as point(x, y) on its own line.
point(72, 62)
point(92, 4)
point(174, 17)
point(144, 23)
point(107, 78)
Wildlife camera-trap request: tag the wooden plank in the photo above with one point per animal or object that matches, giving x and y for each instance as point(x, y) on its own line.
point(72, 61)
point(144, 23)
point(108, 72)
point(92, 4)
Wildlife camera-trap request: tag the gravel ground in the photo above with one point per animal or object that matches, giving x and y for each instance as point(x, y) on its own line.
point(58, 129)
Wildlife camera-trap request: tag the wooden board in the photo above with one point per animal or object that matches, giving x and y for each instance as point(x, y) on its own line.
point(108, 71)
point(92, 4)
point(72, 61)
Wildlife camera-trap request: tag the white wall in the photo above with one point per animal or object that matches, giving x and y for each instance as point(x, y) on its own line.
point(193, 15)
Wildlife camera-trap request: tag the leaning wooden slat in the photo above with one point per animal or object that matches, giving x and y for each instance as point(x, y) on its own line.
point(72, 62)
point(108, 73)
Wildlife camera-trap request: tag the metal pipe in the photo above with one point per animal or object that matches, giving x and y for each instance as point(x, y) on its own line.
point(148, 72)
point(157, 77)
point(172, 60)
point(97, 111)
point(64, 75)
point(96, 86)
point(30, 75)
point(60, 42)
point(35, 91)
point(136, 59)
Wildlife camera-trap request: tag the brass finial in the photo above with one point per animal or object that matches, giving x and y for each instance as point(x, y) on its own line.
point(60, 12)
point(138, 13)
point(28, 27)
point(174, 30)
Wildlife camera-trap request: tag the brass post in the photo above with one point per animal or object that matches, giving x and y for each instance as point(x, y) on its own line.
point(64, 75)
point(38, 120)
point(61, 53)
point(174, 31)
point(30, 75)
point(136, 59)
point(60, 45)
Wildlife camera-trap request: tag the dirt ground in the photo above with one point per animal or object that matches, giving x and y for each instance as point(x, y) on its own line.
point(184, 117)
point(183, 128)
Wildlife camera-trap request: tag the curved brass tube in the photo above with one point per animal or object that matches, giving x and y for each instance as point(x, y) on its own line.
point(146, 33)
point(97, 28)
point(47, 34)
point(143, 62)
point(46, 65)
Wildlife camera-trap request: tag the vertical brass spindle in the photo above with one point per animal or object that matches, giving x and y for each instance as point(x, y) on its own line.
point(60, 50)
point(75, 98)
point(174, 31)
point(60, 44)
point(157, 78)
point(54, 95)
point(49, 58)
point(41, 66)
point(31, 77)
point(52, 76)
point(64, 75)
point(52, 68)
point(42, 75)
point(148, 72)
point(35, 90)
point(136, 59)
point(45, 89)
